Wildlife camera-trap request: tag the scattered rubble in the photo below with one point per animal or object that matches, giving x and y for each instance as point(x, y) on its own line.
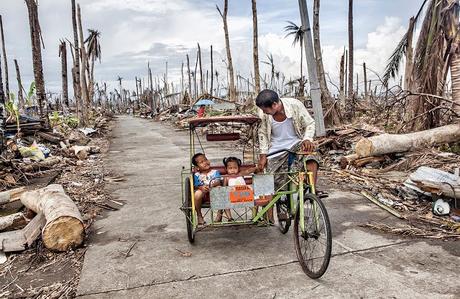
point(36, 158)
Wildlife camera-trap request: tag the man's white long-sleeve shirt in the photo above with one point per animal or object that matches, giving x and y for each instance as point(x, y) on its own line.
point(304, 124)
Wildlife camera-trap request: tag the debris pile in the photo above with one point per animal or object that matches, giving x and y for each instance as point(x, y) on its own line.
point(51, 190)
point(391, 179)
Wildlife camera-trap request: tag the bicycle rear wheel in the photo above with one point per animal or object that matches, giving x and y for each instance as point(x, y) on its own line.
point(314, 244)
point(283, 213)
point(188, 211)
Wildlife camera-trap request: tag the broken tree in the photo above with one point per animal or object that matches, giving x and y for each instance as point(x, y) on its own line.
point(398, 143)
point(64, 225)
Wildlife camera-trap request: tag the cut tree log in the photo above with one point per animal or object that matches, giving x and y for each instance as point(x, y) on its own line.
point(51, 137)
point(48, 163)
point(81, 152)
point(347, 160)
point(364, 161)
point(398, 143)
point(11, 195)
point(12, 221)
point(64, 225)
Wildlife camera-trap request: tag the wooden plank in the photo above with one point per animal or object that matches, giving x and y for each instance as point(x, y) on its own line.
point(12, 241)
point(33, 230)
point(386, 208)
point(19, 240)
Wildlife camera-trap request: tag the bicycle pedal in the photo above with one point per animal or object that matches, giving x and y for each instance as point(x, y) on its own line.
point(322, 194)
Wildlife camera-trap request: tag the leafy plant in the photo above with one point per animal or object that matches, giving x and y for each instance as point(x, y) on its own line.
point(71, 121)
point(30, 94)
point(55, 119)
point(12, 109)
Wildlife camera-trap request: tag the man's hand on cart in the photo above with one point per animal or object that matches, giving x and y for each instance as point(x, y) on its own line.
point(262, 162)
point(308, 146)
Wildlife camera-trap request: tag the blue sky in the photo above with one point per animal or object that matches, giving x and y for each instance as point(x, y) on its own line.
point(135, 32)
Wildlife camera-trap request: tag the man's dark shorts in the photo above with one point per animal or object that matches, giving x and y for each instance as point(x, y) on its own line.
point(279, 166)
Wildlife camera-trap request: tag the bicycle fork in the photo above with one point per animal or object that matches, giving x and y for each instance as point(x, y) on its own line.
point(301, 205)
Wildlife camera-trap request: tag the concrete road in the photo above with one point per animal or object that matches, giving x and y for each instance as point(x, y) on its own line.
point(246, 262)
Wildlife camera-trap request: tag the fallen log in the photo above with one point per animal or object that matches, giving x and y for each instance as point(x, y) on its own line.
point(53, 138)
point(81, 152)
point(347, 160)
point(48, 163)
point(364, 161)
point(11, 195)
point(398, 143)
point(64, 225)
point(12, 221)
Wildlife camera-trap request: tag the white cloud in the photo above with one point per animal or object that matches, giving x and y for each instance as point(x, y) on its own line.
point(143, 6)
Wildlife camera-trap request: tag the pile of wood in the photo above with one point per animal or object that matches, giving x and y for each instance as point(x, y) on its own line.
point(57, 219)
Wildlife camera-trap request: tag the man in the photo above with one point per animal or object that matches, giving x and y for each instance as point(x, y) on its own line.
point(286, 124)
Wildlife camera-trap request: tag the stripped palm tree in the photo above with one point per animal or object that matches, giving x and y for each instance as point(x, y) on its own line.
point(297, 32)
point(270, 61)
point(93, 49)
point(435, 54)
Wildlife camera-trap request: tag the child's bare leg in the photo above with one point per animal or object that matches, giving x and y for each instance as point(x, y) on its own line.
point(198, 200)
point(218, 216)
point(228, 213)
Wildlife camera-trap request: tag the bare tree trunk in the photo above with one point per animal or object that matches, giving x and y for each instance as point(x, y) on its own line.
point(409, 56)
point(350, 54)
point(365, 80)
point(332, 118)
point(313, 79)
point(231, 87)
point(342, 78)
point(357, 86)
point(20, 95)
point(189, 78)
point(37, 56)
point(201, 69)
point(301, 80)
point(346, 73)
point(195, 79)
point(255, 47)
point(84, 59)
point(212, 74)
point(455, 76)
point(5, 60)
point(152, 101)
point(166, 80)
point(182, 79)
point(2, 92)
point(76, 62)
point(318, 55)
point(63, 54)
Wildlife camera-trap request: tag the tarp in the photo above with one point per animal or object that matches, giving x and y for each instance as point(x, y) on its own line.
point(206, 102)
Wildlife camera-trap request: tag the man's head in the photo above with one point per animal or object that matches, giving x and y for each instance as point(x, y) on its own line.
point(200, 161)
point(269, 102)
